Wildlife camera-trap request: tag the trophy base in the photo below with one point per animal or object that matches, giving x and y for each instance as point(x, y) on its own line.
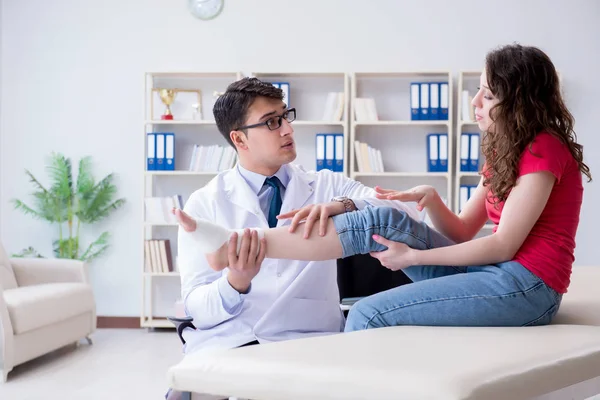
point(166, 117)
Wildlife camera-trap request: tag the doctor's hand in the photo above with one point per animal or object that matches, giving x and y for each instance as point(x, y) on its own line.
point(311, 214)
point(423, 195)
point(245, 265)
point(397, 256)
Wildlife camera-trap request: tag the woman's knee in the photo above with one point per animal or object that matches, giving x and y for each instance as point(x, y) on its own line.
point(362, 315)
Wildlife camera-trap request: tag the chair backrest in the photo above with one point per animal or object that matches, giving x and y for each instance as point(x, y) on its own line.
point(7, 276)
point(362, 275)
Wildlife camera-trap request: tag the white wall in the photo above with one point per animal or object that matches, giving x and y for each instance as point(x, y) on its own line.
point(72, 73)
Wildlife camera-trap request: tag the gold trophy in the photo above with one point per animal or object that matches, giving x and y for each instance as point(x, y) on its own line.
point(167, 96)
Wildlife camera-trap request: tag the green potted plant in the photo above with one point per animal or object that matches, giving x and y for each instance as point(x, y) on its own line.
point(70, 205)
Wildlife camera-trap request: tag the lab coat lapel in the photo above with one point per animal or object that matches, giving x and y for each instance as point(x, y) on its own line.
point(239, 193)
point(299, 190)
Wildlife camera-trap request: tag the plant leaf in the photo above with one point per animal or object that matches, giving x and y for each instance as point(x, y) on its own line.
point(66, 248)
point(85, 180)
point(35, 182)
point(19, 205)
point(101, 202)
point(104, 212)
point(28, 252)
point(96, 249)
point(61, 174)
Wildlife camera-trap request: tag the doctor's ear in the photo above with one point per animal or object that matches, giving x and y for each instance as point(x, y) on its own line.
point(239, 139)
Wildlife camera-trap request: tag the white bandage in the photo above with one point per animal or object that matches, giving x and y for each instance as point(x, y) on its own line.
point(210, 236)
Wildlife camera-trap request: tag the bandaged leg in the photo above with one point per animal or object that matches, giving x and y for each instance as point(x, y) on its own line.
point(210, 237)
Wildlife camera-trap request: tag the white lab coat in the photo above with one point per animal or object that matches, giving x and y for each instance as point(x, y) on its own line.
point(288, 299)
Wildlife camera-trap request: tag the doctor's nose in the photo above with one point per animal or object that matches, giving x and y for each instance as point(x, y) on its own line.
point(286, 128)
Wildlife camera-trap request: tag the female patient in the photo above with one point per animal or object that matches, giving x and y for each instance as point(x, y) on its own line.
point(530, 187)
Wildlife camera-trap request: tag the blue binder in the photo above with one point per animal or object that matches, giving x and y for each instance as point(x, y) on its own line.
point(424, 101)
point(434, 101)
point(473, 152)
point(465, 146)
point(443, 152)
point(338, 165)
point(160, 151)
point(169, 151)
point(432, 152)
point(320, 151)
point(415, 101)
point(444, 98)
point(285, 86)
point(150, 152)
point(329, 151)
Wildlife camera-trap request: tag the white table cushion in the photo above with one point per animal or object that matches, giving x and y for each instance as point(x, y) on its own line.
point(408, 362)
point(581, 304)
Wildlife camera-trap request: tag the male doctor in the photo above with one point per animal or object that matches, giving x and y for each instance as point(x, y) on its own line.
point(254, 300)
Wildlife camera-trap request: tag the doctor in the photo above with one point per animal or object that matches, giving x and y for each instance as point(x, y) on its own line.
point(257, 300)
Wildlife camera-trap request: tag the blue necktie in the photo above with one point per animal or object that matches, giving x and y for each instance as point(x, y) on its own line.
point(275, 206)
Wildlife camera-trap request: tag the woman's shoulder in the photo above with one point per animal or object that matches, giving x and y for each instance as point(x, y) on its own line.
point(546, 145)
point(548, 141)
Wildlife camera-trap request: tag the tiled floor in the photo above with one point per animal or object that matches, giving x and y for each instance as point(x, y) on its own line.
point(121, 364)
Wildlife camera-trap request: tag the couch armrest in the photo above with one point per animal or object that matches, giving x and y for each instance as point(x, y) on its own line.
point(6, 340)
point(35, 271)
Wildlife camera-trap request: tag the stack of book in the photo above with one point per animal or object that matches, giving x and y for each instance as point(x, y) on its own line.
point(368, 159)
point(365, 110)
point(159, 209)
point(157, 256)
point(334, 107)
point(468, 111)
point(213, 158)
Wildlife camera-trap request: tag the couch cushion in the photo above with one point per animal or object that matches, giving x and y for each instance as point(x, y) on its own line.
point(31, 307)
point(405, 362)
point(581, 304)
point(7, 276)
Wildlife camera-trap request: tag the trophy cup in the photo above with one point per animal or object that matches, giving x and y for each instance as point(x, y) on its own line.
point(167, 96)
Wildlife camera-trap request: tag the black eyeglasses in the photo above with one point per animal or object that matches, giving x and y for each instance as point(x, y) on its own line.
point(274, 122)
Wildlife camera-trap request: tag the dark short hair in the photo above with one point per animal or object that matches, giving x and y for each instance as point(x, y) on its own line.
point(231, 108)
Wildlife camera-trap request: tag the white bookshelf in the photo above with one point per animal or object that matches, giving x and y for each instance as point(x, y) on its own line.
point(467, 80)
point(160, 290)
point(308, 94)
point(402, 141)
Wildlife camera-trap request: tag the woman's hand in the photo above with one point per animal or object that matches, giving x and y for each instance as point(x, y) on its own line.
point(397, 256)
point(423, 195)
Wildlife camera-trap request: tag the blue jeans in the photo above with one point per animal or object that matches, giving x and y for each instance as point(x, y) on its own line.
point(504, 294)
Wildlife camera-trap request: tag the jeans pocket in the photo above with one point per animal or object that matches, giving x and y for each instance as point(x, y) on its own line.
point(545, 318)
point(549, 301)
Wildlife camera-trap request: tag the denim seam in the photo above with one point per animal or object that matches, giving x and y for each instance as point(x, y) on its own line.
point(536, 287)
point(544, 314)
point(372, 227)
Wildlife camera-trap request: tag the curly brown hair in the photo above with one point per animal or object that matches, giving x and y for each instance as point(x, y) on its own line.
point(528, 88)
